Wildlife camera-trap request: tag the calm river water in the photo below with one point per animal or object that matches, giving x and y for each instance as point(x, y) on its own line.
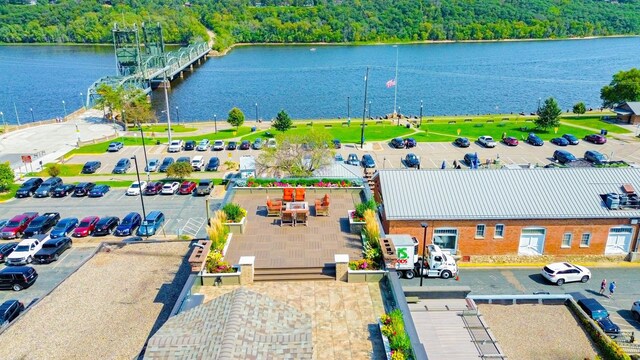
point(321, 81)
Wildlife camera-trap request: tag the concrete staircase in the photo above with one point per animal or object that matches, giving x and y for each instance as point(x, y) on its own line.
point(328, 272)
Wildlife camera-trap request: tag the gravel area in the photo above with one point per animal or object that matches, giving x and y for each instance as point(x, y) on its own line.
point(106, 310)
point(531, 331)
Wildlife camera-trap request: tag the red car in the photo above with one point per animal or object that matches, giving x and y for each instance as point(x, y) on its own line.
point(510, 141)
point(153, 188)
point(15, 227)
point(187, 187)
point(86, 227)
point(595, 138)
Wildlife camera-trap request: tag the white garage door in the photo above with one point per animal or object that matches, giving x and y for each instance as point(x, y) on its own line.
point(531, 241)
point(619, 240)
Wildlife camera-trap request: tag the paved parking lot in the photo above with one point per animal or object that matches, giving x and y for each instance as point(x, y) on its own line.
point(50, 275)
point(184, 214)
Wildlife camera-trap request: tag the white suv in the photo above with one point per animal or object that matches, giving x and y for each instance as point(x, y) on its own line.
point(635, 310)
point(176, 146)
point(562, 272)
point(136, 188)
point(218, 145)
point(24, 252)
point(197, 163)
point(203, 145)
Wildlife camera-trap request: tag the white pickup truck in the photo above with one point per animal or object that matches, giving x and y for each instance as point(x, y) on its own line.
point(176, 146)
point(25, 251)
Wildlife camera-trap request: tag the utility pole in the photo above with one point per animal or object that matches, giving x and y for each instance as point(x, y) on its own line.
point(166, 101)
point(16, 109)
point(364, 108)
point(420, 114)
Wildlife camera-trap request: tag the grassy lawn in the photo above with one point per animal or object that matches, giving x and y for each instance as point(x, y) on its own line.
point(114, 183)
point(596, 123)
point(345, 134)
point(65, 170)
point(159, 128)
point(11, 193)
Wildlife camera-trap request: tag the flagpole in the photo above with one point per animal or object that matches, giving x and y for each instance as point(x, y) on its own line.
point(395, 88)
point(364, 109)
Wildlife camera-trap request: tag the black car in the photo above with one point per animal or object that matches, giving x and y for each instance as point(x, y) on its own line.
point(42, 224)
point(122, 166)
point(232, 145)
point(184, 159)
point(470, 159)
point(368, 162)
point(64, 227)
point(600, 315)
point(17, 277)
point(52, 249)
point(29, 187)
point(571, 139)
point(595, 157)
point(47, 186)
point(534, 140)
point(397, 143)
point(83, 188)
point(91, 167)
point(563, 156)
point(245, 145)
point(410, 142)
point(153, 188)
point(462, 142)
point(99, 190)
point(63, 190)
point(412, 161)
point(190, 145)
point(9, 311)
point(128, 225)
point(6, 249)
point(336, 144)
point(166, 162)
point(213, 164)
point(106, 225)
point(560, 141)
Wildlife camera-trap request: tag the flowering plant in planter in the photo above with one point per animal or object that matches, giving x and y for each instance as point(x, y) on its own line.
point(334, 183)
point(393, 328)
point(216, 230)
point(215, 263)
point(363, 264)
point(358, 215)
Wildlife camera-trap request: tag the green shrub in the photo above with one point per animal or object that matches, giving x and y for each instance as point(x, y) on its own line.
point(609, 349)
point(362, 207)
point(234, 212)
point(393, 328)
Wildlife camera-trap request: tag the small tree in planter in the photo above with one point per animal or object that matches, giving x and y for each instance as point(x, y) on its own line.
point(217, 232)
point(372, 233)
point(236, 217)
point(356, 217)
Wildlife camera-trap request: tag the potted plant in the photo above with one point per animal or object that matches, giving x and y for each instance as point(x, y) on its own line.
point(356, 217)
point(236, 217)
point(218, 233)
point(218, 271)
point(396, 341)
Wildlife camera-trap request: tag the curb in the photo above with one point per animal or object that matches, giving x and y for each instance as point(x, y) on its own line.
point(623, 264)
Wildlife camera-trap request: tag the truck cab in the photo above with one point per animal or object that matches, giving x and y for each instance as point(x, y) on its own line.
point(400, 252)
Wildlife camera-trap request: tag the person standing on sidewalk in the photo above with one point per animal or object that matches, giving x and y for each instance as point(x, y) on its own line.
point(603, 286)
point(612, 288)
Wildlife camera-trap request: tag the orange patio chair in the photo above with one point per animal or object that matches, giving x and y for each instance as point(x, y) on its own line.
point(274, 207)
point(322, 206)
point(287, 194)
point(300, 194)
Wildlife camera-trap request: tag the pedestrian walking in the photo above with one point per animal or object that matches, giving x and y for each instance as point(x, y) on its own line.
point(612, 288)
point(603, 286)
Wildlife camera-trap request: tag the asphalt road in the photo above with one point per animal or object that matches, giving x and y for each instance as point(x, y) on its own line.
point(509, 281)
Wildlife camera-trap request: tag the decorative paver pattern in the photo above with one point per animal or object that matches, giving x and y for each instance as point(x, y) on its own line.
point(344, 316)
point(299, 246)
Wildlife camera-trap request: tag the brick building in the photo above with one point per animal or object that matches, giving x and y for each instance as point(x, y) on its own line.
point(526, 212)
point(628, 112)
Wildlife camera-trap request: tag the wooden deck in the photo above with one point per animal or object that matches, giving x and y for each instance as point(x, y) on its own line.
point(301, 246)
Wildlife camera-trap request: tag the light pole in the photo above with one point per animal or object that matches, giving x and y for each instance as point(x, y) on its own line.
point(166, 101)
point(3, 122)
point(64, 106)
point(420, 114)
point(144, 213)
point(538, 111)
point(256, 112)
point(369, 109)
point(32, 119)
point(215, 122)
point(348, 110)
point(177, 115)
point(424, 247)
point(398, 115)
point(364, 110)
point(144, 150)
point(81, 101)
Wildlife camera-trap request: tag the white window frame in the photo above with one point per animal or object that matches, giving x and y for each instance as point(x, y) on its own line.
point(446, 231)
point(484, 231)
point(564, 238)
point(582, 243)
point(501, 231)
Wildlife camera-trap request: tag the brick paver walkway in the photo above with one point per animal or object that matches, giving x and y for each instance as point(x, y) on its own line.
point(300, 246)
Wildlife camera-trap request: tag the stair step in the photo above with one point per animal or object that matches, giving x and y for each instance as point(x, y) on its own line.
point(293, 277)
point(317, 270)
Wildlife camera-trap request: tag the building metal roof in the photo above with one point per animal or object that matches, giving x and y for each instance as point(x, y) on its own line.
point(504, 194)
point(339, 170)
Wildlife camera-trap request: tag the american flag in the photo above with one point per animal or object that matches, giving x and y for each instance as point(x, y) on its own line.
point(391, 83)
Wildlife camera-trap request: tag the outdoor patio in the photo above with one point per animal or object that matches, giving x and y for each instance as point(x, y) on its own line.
point(300, 246)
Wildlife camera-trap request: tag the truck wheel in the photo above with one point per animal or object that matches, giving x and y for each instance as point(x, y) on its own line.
point(16, 287)
point(409, 274)
point(446, 274)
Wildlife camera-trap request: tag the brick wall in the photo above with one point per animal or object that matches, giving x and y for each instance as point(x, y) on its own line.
point(468, 244)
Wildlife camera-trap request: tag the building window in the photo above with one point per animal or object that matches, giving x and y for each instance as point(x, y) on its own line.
point(480, 230)
point(499, 231)
point(446, 238)
point(566, 240)
point(586, 240)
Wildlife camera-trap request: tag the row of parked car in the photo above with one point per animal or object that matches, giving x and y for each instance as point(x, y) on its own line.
point(202, 188)
point(54, 187)
point(155, 165)
point(219, 145)
point(532, 139)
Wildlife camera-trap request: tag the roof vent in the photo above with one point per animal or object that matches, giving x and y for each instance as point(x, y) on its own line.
point(628, 189)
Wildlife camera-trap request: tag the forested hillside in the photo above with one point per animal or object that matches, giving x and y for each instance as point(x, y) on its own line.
point(233, 21)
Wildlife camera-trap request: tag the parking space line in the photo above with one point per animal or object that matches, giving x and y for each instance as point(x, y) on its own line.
point(67, 253)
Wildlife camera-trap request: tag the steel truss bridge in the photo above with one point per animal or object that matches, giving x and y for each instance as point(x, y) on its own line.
point(142, 62)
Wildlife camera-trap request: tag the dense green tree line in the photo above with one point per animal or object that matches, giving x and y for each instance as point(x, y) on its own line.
point(89, 21)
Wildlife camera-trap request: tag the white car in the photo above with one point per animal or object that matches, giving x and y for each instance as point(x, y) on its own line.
point(562, 272)
point(136, 188)
point(153, 165)
point(170, 188)
point(203, 145)
point(197, 163)
point(176, 146)
point(487, 141)
point(635, 310)
point(272, 143)
point(24, 252)
point(218, 145)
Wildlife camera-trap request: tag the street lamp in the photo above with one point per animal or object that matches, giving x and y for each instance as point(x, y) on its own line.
point(3, 122)
point(348, 110)
point(420, 114)
point(64, 106)
point(424, 246)
point(215, 122)
point(369, 109)
point(144, 213)
point(538, 111)
point(81, 101)
point(256, 112)
point(32, 119)
point(144, 150)
point(398, 115)
point(177, 115)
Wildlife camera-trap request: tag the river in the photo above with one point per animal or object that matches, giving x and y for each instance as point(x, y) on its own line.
point(328, 81)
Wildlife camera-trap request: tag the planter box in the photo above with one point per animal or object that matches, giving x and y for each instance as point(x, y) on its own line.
point(355, 227)
point(276, 192)
point(237, 227)
point(208, 279)
point(385, 342)
point(360, 276)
